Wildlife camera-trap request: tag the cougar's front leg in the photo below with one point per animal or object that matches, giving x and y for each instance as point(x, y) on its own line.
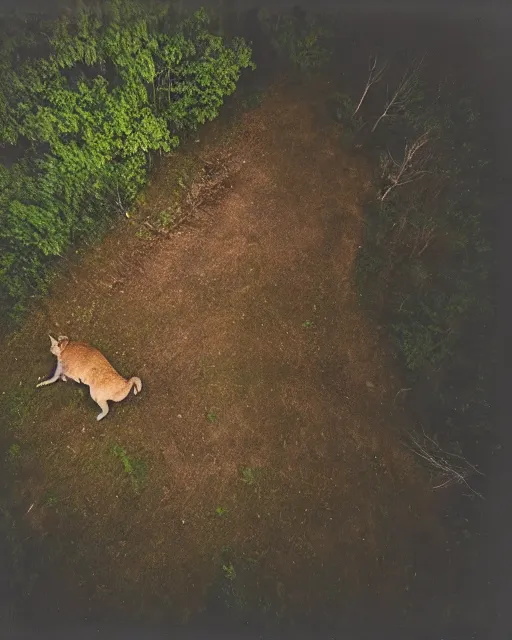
point(54, 378)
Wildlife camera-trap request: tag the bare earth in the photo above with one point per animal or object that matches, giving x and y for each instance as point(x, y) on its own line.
point(254, 353)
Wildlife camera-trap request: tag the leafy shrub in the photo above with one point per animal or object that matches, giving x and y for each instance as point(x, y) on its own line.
point(83, 109)
point(343, 108)
point(300, 39)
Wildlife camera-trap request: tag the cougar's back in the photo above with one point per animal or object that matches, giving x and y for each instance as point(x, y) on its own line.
point(85, 364)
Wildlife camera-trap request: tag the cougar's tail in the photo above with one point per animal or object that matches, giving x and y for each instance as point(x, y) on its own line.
point(136, 384)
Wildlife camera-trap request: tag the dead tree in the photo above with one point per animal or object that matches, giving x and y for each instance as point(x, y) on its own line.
point(374, 75)
point(410, 169)
point(403, 93)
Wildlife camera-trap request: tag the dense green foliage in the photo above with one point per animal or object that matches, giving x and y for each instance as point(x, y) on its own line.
point(300, 39)
point(84, 102)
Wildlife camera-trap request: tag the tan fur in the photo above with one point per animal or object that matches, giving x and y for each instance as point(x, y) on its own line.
point(87, 365)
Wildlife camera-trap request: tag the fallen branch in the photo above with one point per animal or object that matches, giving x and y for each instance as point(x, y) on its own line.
point(214, 176)
point(410, 168)
point(400, 390)
point(162, 232)
point(450, 467)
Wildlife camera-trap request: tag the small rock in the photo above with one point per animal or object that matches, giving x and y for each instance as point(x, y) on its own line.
point(370, 385)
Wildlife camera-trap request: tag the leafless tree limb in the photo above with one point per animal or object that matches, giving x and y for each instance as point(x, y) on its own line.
point(119, 202)
point(424, 237)
point(450, 468)
point(403, 93)
point(401, 390)
point(411, 167)
point(374, 75)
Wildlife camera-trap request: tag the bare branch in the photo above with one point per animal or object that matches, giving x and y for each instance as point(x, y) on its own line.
point(403, 93)
point(119, 201)
point(424, 237)
point(450, 468)
point(374, 75)
point(401, 390)
point(411, 168)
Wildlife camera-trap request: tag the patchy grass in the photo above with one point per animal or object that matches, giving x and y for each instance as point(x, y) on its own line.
point(13, 453)
point(135, 468)
point(16, 405)
point(211, 416)
point(250, 476)
point(143, 233)
point(229, 571)
point(50, 499)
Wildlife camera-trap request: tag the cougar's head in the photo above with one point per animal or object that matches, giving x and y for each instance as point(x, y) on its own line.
point(58, 345)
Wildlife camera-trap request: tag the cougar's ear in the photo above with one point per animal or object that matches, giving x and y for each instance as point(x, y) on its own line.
point(53, 341)
point(63, 341)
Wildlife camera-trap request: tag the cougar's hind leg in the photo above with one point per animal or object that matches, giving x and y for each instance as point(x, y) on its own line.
point(103, 405)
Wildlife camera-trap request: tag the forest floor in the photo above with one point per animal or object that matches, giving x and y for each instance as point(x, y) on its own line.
point(262, 467)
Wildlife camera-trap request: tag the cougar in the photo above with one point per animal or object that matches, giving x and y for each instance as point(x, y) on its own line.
point(87, 365)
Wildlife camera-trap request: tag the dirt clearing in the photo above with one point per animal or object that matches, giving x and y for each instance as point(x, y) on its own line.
point(261, 466)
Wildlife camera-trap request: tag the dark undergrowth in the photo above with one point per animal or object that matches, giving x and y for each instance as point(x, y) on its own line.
point(426, 266)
